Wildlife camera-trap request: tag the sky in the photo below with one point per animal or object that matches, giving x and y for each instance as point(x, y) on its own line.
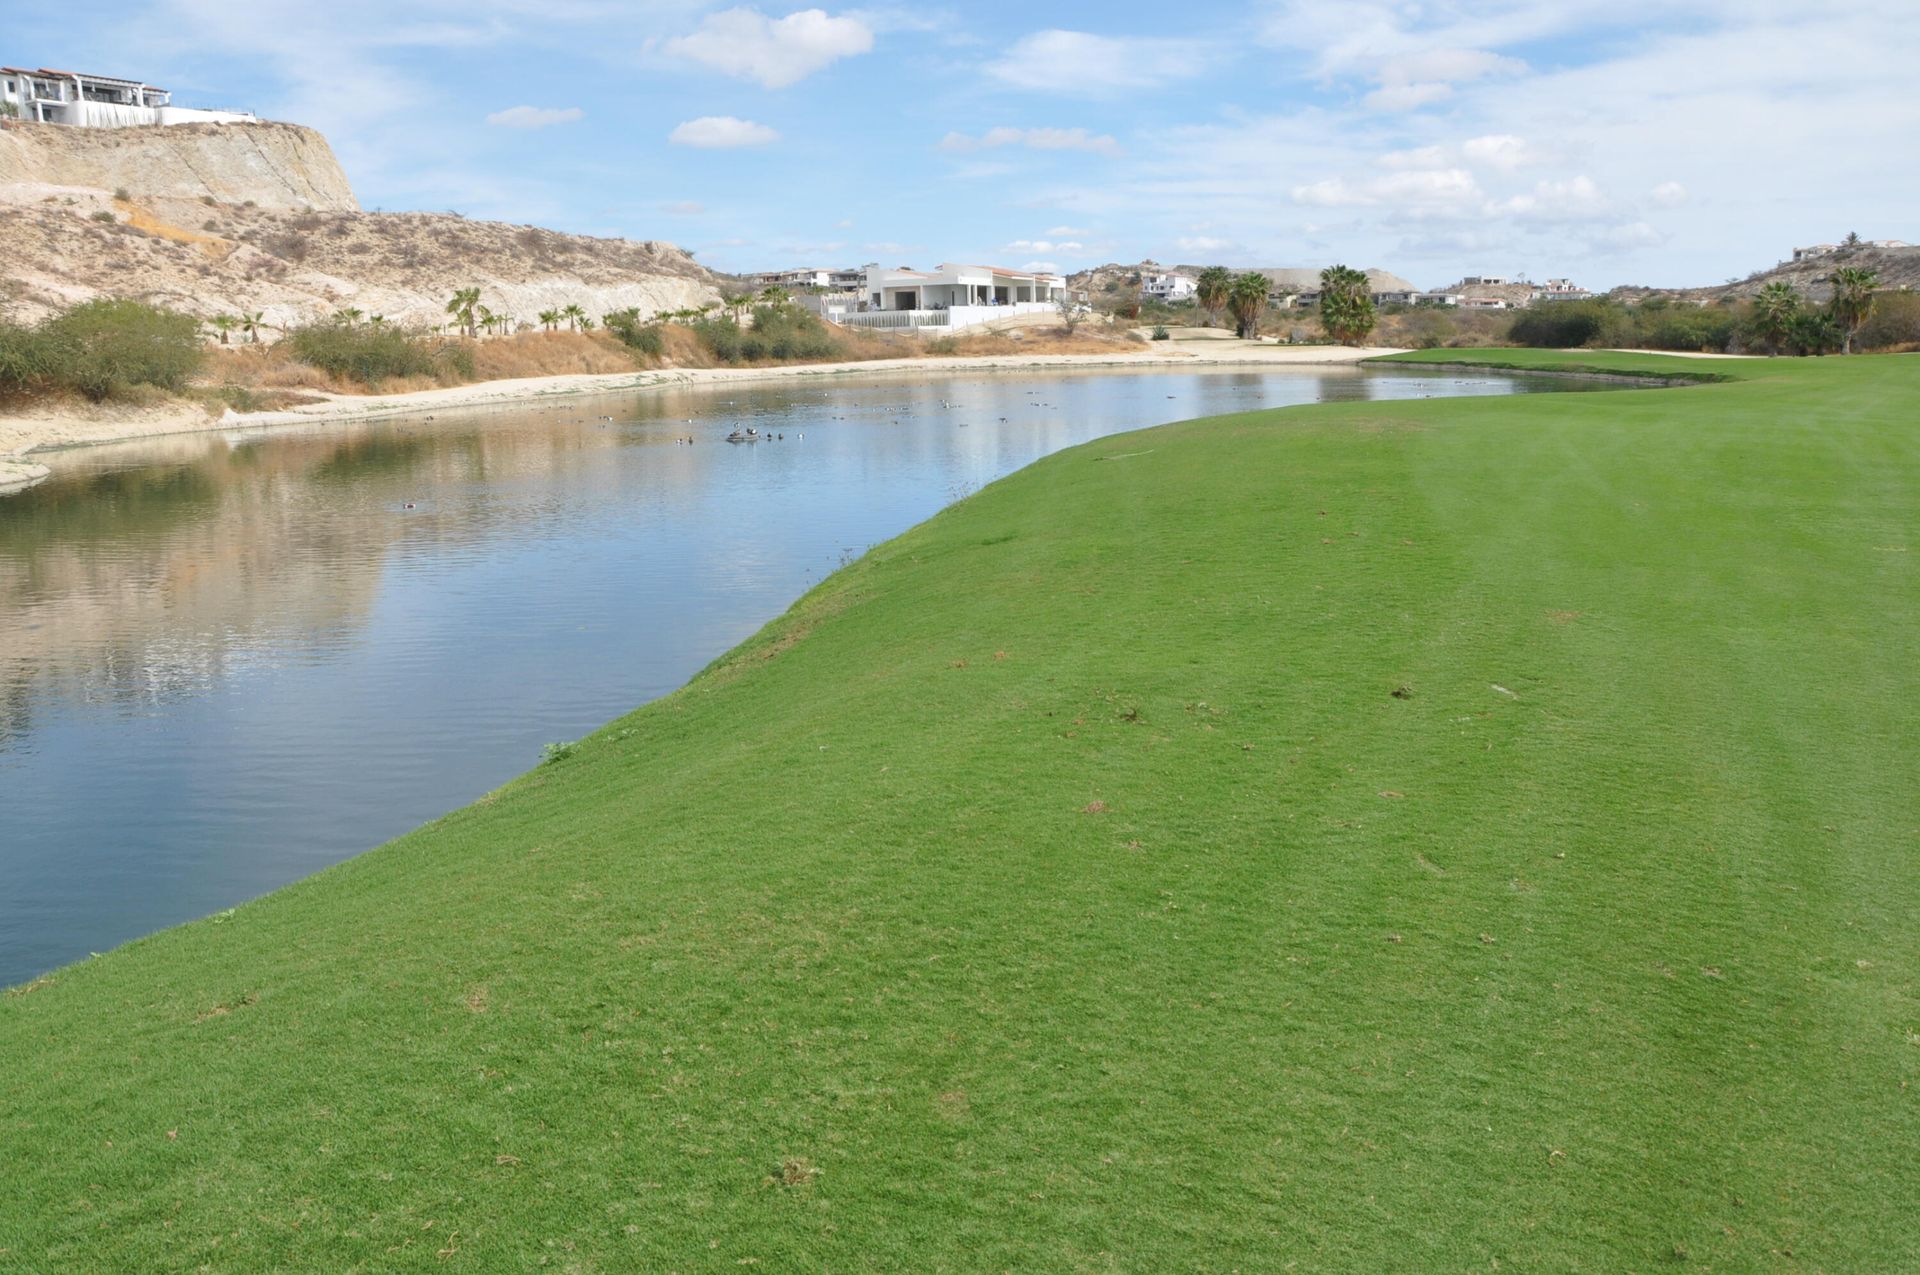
point(1669, 143)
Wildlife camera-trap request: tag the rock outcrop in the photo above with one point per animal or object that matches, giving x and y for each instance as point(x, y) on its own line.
point(224, 219)
point(278, 166)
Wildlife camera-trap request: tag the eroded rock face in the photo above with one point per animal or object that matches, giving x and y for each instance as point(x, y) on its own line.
point(277, 166)
point(231, 218)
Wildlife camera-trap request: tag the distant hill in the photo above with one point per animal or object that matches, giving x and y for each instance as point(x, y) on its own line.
point(1303, 278)
point(1898, 268)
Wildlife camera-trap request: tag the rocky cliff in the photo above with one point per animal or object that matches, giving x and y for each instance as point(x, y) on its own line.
point(280, 166)
point(221, 219)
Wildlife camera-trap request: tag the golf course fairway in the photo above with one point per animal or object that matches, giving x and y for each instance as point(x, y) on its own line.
point(1452, 835)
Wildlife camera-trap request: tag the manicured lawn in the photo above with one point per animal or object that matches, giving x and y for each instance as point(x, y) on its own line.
point(1447, 835)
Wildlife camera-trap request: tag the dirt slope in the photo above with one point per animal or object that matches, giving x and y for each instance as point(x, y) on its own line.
point(280, 166)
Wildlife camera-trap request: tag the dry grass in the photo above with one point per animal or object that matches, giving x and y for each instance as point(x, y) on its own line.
point(1051, 340)
point(553, 354)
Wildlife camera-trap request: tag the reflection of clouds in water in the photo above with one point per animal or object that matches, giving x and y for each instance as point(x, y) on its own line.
point(281, 664)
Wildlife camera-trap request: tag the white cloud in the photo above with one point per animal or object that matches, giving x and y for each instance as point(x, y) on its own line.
point(717, 132)
point(1416, 190)
point(746, 43)
point(535, 116)
point(1500, 150)
point(1067, 247)
point(1669, 194)
point(1406, 97)
point(1067, 232)
point(1575, 199)
point(1040, 139)
point(1202, 243)
point(1041, 267)
point(1076, 62)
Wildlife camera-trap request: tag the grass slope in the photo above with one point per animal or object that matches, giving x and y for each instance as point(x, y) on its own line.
point(1377, 836)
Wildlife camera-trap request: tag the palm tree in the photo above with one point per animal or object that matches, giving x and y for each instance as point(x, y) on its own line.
point(573, 314)
point(251, 325)
point(223, 324)
point(462, 307)
point(1852, 301)
point(348, 316)
point(1246, 298)
point(1773, 312)
point(549, 319)
point(377, 321)
point(1211, 290)
point(487, 319)
point(586, 323)
point(1346, 304)
point(774, 294)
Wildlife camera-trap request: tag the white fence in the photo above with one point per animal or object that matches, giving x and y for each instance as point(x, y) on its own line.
point(959, 316)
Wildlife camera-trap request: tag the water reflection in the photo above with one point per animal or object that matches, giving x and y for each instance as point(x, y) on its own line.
point(228, 660)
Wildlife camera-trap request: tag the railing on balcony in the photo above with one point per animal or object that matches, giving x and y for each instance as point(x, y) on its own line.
point(892, 320)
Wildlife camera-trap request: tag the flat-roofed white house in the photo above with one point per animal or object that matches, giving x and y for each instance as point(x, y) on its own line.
point(1168, 286)
point(46, 96)
point(953, 296)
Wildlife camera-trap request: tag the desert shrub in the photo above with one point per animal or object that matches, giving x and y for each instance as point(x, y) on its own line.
point(104, 349)
point(778, 332)
point(23, 361)
point(1160, 332)
point(1894, 323)
point(369, 354)
point(287, 247)
point(105, 217)
point(646, 338)
point(1690, 330)
point(1561, 325)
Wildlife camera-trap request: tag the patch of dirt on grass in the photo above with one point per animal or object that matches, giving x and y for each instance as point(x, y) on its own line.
point(224, 1008)
point(1564, 617)
point(952, 1105)
point(478, 999)
point(1094, 808)
point(795, 1171)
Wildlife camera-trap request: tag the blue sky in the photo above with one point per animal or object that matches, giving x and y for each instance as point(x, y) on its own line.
point(1623, 141)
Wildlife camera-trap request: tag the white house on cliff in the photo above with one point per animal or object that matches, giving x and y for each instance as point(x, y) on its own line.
point(47, 96)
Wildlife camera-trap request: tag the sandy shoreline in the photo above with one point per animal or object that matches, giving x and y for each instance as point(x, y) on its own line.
point(25, 442)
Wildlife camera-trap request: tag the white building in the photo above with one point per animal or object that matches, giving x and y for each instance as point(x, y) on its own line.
point(47, 96)
point(1489, 280)
point(811, 278)
point(1560, 290)
point(952, 296)
point(1168, 286)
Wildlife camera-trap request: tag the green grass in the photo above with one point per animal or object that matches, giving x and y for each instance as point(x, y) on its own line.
point(1409, 836)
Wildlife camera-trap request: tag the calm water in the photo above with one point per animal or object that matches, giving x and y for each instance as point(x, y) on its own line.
point(226, 662)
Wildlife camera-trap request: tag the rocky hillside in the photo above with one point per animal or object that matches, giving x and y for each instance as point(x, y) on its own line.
point(1898, 268)
point(221, 219)
point(279, 166)
point(1301, 278)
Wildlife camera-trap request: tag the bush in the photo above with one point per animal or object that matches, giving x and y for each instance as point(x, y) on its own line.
point(1160, 332)
point(1894, 323)
point(778, 332)
point(1690, 330)
point(104, 217)
point(635, 335)
point(106, 348)
point(1813, 332)
point(1560, 325)
point(369, 354)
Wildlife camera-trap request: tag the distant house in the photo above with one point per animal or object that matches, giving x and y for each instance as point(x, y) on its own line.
point(1485, 280)
point(952, 296)
point(1888, 243)
point(1168, 286)
point(47, 96)
point(1560, 290)
point(1485, 303)
point(805, 278)
point(1817, 250)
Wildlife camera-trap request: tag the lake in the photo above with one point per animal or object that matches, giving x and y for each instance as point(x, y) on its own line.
point(229, 660)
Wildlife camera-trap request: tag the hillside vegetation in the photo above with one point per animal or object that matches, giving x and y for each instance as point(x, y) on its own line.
point(1428, 835)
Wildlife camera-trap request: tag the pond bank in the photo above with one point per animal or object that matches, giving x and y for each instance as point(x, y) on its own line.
point(53, 430)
